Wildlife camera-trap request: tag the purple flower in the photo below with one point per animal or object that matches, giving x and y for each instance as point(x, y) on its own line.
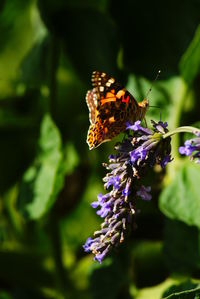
point(144, 193)
point(126, 191)
point(134, 127)
point(191, 148)
point(137, 127)
point(160, 126)
point(88, 244)
point(134, 156)
point(138, 153)
point(113, 181)
point(103, 212)
point(165, 161)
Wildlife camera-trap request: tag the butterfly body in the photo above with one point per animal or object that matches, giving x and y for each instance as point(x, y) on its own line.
point(110, 107)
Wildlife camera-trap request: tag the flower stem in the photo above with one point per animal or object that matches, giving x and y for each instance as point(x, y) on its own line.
point(184, 129)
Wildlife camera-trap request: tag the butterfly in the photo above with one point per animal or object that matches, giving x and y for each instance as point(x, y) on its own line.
point(110, 106)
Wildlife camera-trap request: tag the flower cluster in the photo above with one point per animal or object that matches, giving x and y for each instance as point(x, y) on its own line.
point(191, 148)
point(134, 156)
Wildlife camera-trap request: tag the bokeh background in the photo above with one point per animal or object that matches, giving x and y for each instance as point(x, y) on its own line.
point(48, 177)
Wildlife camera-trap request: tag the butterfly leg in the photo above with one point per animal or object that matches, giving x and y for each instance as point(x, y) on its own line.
point(145, 121)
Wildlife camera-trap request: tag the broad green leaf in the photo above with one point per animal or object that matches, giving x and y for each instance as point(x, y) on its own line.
point(181, 247)
point(148, 258)
point(36, 64)
point(20, 27)
point(183, 287)
point(189, 294)
point(180, 199)
point(110, 279)
point(44, 178)
point(190, 61)
point(158, 291)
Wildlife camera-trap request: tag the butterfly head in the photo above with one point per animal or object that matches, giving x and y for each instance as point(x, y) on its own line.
point(144, 105)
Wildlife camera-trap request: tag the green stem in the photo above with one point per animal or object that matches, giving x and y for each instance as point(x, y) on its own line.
point(184, 129)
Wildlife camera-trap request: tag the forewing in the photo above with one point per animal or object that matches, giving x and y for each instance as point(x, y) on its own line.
point(102, 84)
point(111, 106)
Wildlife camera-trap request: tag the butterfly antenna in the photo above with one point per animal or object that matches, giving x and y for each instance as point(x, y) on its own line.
point(150, 89)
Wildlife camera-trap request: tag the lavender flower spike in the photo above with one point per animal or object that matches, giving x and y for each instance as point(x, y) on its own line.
point(191, 148)
point(134, 156)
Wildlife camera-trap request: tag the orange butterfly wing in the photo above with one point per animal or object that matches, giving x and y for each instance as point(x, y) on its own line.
point(110, 107)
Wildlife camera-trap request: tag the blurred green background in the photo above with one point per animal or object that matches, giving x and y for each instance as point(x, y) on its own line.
point(48, 177)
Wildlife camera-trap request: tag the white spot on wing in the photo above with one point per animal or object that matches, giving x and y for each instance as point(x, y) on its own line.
point(111, 80)
point(101, 88)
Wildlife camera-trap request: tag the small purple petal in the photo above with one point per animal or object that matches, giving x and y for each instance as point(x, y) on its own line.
point(100, 256)
point(125, 192)
point(102, 198)
point(134, 127)
point(144, 193)
point(160, 126)
point(187, 149)
point(87, 245)
point(137, 127)
point(95, 204)
point(165, 161)
point(113, 181)
point(138, 153)
point(103, 212)
point(181, 150)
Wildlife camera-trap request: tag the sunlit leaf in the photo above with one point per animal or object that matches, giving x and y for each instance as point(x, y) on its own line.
point(20, 27)
point(44, 178)
point(188, 294)
point(182, 288)
point(180, 199)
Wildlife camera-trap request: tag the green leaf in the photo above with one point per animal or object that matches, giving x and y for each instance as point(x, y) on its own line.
point(181, 247)
point(35, 67)
point(110, 280)
point(44, 178)
point(189, 294)
point(180, 199)
point(148, 258)
point(19, 21)
point(190, 61)
point(177, 288)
